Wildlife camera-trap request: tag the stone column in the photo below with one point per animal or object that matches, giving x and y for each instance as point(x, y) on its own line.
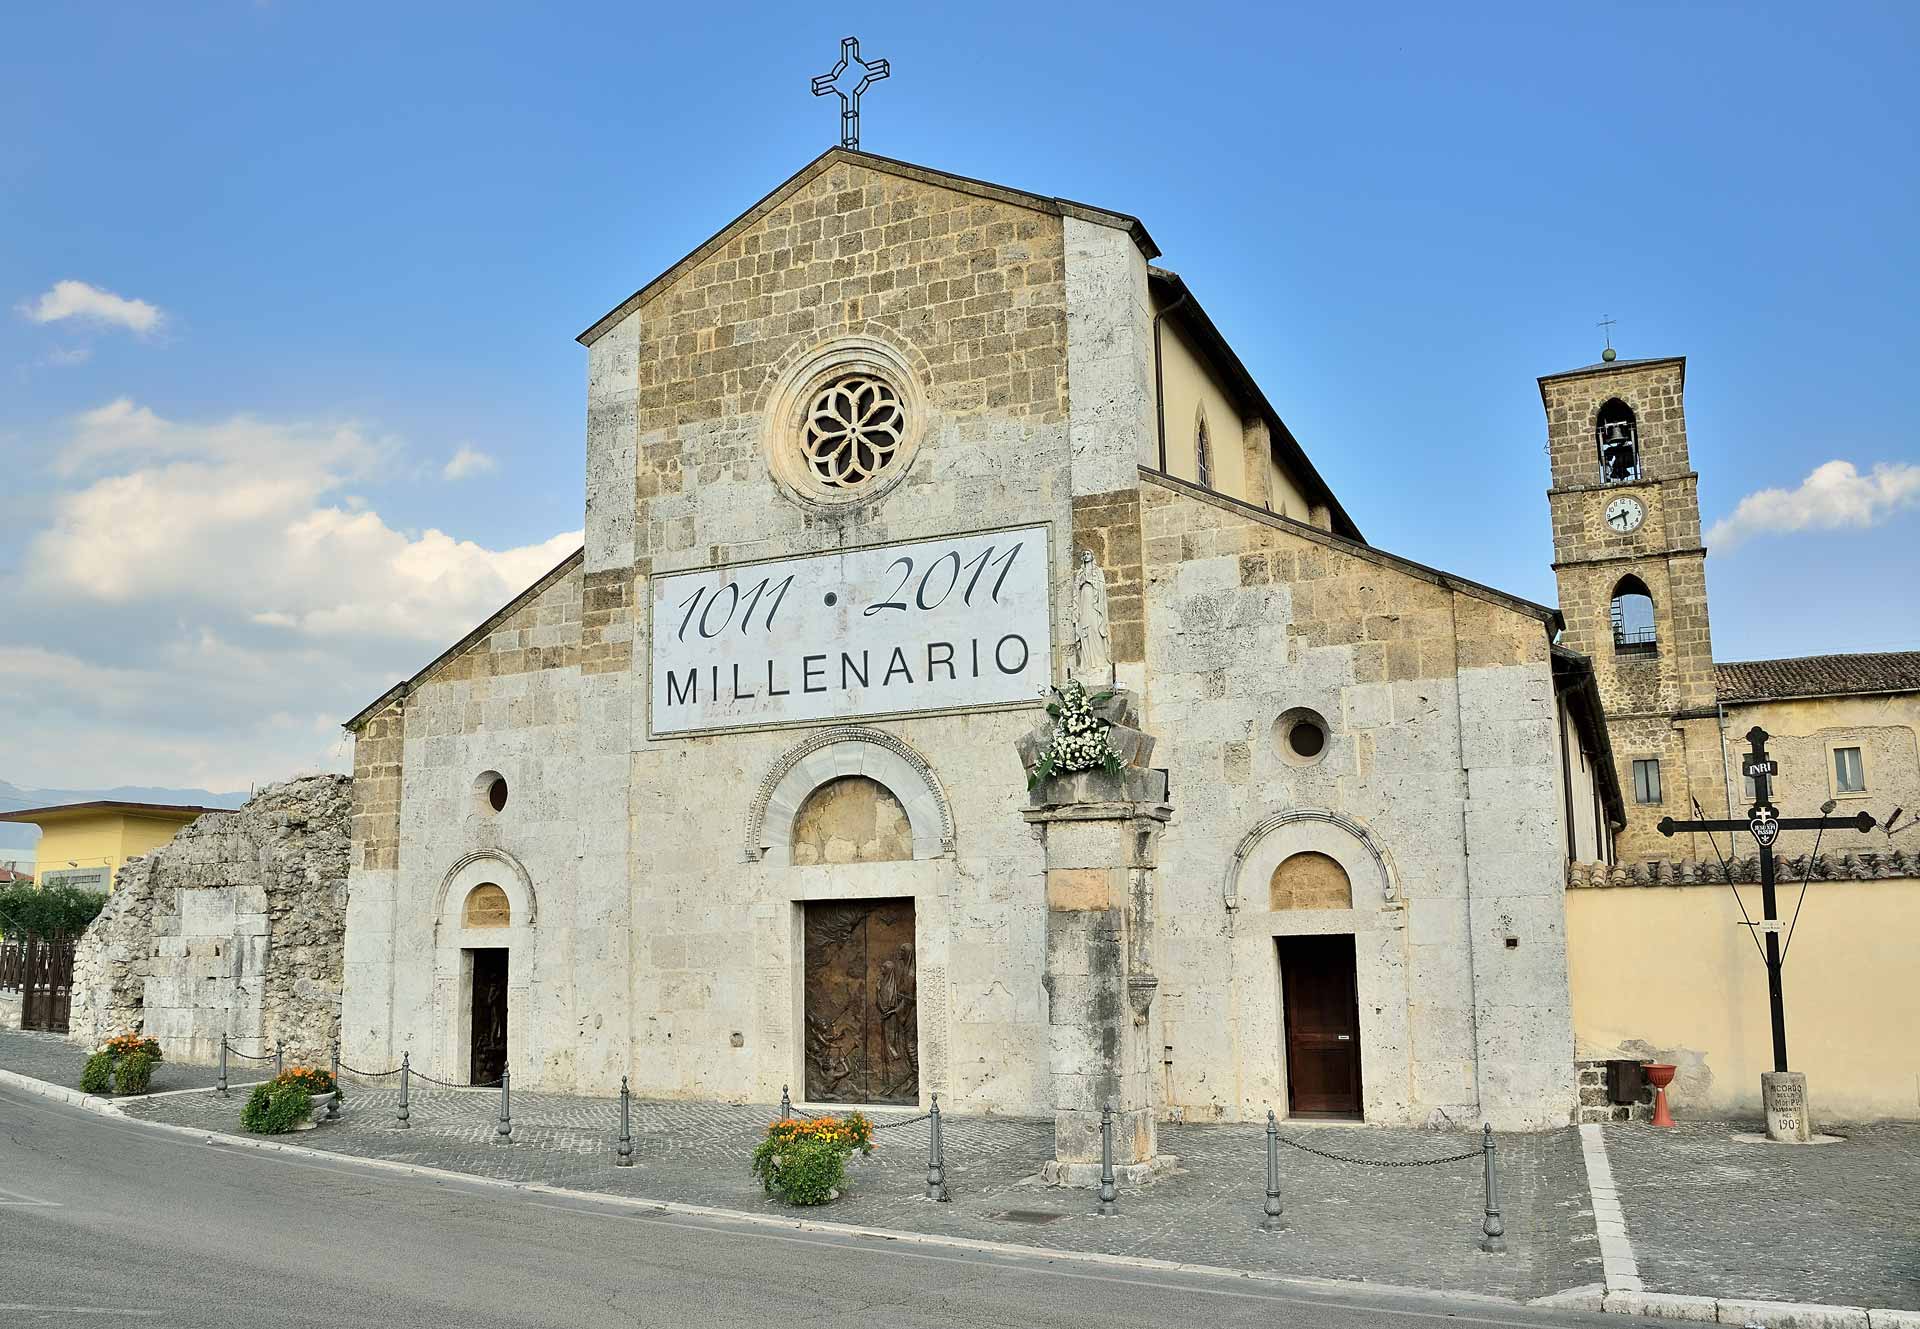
point(1100, 831)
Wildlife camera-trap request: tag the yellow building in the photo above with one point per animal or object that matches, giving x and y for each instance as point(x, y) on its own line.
point(83, 844)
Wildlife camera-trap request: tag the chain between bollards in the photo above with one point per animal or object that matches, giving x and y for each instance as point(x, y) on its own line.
point(503, 1133)
point(223, 1065)
point(786, 1104)
point(333, 1105)
point(1272, 1221)
point(1108, 1207)
point(936, 1155)
point(1494, 1240)
point(406, 1072)
point(623, 1156)
point(279, 1058)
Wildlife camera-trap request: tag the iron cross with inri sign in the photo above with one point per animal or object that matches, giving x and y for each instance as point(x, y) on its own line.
point(1765, 823)
point(871, 72)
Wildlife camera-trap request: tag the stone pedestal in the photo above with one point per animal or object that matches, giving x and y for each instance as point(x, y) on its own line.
point(1784, 1096)
point(1099, 831)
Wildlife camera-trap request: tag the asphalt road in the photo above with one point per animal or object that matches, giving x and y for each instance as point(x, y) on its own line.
point(105, 1221)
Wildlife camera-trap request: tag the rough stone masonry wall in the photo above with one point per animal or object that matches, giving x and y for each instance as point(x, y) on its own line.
point(235, 926)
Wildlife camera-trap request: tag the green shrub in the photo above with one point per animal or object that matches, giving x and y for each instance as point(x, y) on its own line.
point(133, 1073)
point(804, 1170)
point(275, 1108)
point(97, 1078)
point(43, 912)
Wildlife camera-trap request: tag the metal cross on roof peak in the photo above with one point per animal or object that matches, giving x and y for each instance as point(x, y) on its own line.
point(871, 72)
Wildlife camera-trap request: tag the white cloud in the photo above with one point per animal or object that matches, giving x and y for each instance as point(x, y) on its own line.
point(88, 303)
point(1833, 495)
point(467, 461)
point(211, 599)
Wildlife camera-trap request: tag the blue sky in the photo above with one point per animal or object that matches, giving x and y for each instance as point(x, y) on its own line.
point(328, 249)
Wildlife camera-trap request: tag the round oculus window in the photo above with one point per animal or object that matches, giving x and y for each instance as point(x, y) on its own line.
point(854, 431)
point(1300, 736)
point(490, 792)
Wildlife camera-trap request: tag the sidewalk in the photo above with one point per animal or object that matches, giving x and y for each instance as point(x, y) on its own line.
point(1711, 1216)
point(51, 1058)
point(1410, 1226)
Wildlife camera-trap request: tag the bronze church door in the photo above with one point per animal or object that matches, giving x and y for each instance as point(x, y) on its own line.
point(489, 1040)
point(862, 1016)
point(1323, 1026)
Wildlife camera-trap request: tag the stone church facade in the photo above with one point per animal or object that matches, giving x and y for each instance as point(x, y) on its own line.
point(731, 799)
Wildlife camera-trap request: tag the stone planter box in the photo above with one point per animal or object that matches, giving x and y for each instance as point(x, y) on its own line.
point(322, 1103)
point(1131, 784)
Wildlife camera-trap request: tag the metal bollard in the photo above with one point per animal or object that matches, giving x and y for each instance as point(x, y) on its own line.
point(279, 1058)
point(1272, 1221)
point(1107, 1206)
point(406, 1072)
point(624, 1154)
point(503, 1133)
point(333, 1108)
point(936, 1155)
point(1495, 1239)
point(786, 1104)
point(223, 1065)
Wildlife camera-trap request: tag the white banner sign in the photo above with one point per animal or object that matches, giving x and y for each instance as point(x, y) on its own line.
point(927, 626)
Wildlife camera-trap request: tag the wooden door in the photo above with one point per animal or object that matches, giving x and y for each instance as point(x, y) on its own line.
point(862, 1013)
point(489, 1046)
point(1323, 1026)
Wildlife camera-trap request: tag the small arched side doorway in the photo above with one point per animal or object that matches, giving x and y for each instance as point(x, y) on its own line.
point(483, 956)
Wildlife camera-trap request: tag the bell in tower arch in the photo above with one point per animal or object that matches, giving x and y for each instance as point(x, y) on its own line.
point(1619, 439)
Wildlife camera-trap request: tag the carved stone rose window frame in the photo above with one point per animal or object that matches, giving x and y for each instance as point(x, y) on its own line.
point(844, 422)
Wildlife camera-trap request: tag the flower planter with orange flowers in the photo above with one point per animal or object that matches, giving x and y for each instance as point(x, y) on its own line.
point(804, 1159)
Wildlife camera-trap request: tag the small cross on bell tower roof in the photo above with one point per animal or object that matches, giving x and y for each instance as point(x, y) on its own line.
point(871, 72)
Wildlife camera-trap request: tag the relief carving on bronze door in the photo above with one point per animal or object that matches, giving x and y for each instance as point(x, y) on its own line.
point(862, 1016)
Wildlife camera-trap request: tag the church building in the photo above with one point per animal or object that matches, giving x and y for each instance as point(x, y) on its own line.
point(738, 796)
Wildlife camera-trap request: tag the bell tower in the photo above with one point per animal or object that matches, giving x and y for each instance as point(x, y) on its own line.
point(1633, 583)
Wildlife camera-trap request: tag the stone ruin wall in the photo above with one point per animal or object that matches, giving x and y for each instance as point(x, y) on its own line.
point(236, 926)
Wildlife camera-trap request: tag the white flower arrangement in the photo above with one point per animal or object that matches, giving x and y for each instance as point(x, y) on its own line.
point(1080, 740)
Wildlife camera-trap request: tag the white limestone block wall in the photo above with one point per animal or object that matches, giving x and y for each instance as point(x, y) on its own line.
point(718, 982)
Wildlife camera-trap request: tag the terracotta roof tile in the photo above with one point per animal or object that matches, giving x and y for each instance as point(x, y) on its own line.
point(1819, 676)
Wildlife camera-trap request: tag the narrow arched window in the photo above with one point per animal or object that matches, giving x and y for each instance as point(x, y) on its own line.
point(1617, 435)
point(1632, 617)
point(1202, 453)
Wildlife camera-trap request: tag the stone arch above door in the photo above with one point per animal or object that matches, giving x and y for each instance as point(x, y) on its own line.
point(831, 755)
point(1310, 830)
point(488, 865)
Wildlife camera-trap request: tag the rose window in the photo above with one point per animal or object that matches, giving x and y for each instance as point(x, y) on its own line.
point(854, 430)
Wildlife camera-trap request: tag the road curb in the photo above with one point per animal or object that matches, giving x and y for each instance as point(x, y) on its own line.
point(58, 1092)
point(1626, 1293)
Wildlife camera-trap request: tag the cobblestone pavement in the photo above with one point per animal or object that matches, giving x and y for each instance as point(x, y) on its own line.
point(51, 1058)
point(1712, 1216)
point(1416, 1226)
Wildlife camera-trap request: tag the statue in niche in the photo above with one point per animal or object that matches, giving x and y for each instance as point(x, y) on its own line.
point(1092, 662)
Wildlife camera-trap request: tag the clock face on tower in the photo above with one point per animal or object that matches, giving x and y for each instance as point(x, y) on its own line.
point(1625, 514)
